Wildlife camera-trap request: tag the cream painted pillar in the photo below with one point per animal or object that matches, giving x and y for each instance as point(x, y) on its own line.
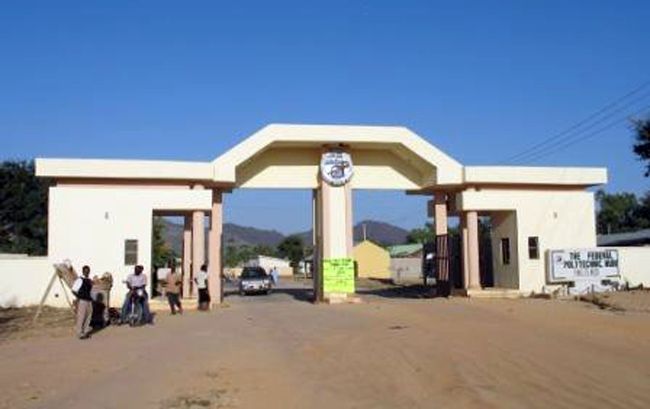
point(214, 268)
point(317, 243)
point(443, 284)
point(187, 256)
point(465, 260)
point(335, 229)
point(349, 220)
point(198, 239)
point(474, 279)
point(336, 208)
point(440, 214)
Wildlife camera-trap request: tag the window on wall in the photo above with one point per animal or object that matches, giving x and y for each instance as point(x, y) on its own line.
point(130, 252)
point(533, 248)
point(505, 251)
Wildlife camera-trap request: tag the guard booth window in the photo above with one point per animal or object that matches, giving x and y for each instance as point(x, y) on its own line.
point(533, 248)
point(130, 252)
point(505, 251)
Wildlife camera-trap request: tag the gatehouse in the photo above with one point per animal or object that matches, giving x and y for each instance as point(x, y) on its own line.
point(101, 211)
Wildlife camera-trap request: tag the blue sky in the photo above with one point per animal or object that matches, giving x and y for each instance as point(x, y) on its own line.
point(187, 80)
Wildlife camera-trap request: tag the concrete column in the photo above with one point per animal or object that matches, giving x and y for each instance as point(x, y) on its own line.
point(187, 256)
point(474, 279)
point(198, 239)
point(317, 242)
point(214, 268)
point(349, 220)
point(337, 228)
point(443, 285)
point(464, 238)
point(440, 214)
point(335, 211)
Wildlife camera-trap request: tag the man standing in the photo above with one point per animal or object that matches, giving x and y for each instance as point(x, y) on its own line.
point(81, 289)
point(201, 281)
point(173, 290)
point(275, 275)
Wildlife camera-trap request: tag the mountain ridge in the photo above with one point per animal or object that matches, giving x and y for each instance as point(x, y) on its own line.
point(238, 235)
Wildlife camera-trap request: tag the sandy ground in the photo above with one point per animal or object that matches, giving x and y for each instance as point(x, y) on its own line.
point(279, 352)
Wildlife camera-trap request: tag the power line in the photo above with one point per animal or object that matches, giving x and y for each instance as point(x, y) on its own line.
point(579, 123)
point(576, 135)
point(590, 135)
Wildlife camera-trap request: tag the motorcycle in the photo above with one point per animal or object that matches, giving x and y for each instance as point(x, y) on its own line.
point(136, 315)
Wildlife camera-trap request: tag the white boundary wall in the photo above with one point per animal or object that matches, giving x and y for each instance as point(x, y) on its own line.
point(23, 281)
point(634, 265)
point(406, 269)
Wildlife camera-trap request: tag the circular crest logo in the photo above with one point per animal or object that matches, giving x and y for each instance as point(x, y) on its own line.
point(336, 167)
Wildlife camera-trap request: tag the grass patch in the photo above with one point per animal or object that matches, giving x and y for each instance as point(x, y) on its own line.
point(600, 301)
point(210, 400)
point(17, 322)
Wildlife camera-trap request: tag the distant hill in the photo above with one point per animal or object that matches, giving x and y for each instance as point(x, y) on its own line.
point(379, 232)
point(234, 234)
point(174, 236)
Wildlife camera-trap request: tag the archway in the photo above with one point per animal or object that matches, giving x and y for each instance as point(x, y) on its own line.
point(117, 198)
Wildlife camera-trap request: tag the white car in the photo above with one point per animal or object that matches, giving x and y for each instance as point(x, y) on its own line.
point(254, 280)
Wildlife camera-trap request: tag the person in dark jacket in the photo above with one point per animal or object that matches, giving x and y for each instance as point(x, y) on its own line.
point(81, 289)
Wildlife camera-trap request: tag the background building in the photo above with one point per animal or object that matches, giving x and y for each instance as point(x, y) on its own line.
point(372, 261)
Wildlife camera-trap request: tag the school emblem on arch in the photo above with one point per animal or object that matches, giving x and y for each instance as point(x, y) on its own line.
point(336, 167)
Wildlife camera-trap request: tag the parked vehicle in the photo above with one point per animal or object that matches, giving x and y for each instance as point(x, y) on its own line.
point(254, 280)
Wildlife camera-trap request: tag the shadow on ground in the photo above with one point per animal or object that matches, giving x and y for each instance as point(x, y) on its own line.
point(298, 294)
point(414, 291)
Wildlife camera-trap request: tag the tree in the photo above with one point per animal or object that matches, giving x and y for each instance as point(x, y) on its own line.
point(643, 211)
point(161, 253)
point(421, 235)
point(292, 248)
point(621, 212)
point(23, 209)
point(427, 234)
point(235, 255)
point(642, 145)
point(264, 250)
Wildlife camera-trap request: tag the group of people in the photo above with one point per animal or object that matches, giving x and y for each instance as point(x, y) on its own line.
point(136, 284)
point(174, 284)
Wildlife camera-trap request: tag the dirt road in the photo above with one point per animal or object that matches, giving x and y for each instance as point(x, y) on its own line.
point(281, 353)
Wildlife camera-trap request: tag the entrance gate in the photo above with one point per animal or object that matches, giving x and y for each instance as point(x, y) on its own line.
point(116, 199)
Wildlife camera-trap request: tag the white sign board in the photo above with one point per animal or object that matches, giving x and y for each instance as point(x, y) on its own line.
point(336, 167)
point(582, 264)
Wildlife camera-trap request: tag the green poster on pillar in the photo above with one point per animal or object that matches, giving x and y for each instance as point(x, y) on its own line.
point(338, 275)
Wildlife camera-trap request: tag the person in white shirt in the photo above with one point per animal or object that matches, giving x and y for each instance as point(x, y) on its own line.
point(275, 275)
point(134, 282)
point(201, 281)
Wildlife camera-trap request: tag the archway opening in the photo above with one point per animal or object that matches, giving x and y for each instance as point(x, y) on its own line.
point(391, 234)
point(268, 230)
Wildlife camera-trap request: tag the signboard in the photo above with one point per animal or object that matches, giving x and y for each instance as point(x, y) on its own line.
point(580, 264)
point(338, 275)
point(336, 167)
